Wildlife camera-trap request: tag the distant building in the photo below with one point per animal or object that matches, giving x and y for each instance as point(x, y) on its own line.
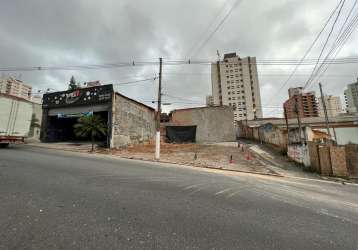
point(93, 84)
point(333, 106)
point(14, 87)
point(235, 83)
point(303, 103)
point(209, 100)
point(351, 97)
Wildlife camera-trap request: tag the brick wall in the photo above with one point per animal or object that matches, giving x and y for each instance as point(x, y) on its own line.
point(314, 156)
point(325, 160)
point(338, 161)
point(352, 159)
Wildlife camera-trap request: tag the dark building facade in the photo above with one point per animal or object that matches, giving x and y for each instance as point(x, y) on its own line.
point(128, 121)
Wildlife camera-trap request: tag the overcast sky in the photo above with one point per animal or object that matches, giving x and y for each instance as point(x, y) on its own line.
point(80, 32)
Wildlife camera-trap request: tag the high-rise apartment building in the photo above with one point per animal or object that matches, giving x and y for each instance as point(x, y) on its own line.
point(351, 97)
point(209, 100)
point(301, 103)
point(235, 83)
point(333, 106)
point(14, 87)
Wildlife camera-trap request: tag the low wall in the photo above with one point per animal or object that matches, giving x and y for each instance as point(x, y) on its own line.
point(338, 161)
point(299, 153)
point(314, 156)
point(352, 159)
point(325, 160)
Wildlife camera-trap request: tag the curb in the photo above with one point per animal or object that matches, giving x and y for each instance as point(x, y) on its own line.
point(198, 166)
point(168, 162)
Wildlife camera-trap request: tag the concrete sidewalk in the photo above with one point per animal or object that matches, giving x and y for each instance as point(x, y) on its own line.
point(273, 159)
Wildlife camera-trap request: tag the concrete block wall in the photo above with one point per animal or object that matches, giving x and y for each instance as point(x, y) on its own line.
point(132, 122)
point(214, 124)
point(352, 159)
point(338, 161)
point(314, 156)
point(325, 160)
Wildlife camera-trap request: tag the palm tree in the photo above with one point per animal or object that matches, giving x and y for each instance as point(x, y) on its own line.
point(93, 126)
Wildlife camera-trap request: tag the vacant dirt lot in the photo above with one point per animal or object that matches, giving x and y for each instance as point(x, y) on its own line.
point(214, 156)
point(198, 155)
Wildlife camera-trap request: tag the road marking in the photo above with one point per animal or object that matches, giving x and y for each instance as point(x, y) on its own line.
point(195, 191)
point(233, 194)
point(223, 191)
point(194, 186)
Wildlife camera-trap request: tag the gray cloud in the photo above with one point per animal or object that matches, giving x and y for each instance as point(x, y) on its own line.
point(74, 32)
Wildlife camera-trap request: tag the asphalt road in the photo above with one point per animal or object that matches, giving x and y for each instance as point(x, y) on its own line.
point(62, 200)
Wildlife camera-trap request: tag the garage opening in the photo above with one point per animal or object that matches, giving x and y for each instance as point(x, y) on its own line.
point(61, 129)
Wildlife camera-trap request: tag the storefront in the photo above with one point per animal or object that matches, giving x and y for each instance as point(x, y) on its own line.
point(128, 121)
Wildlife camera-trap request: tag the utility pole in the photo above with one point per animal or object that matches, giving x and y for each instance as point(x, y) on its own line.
point(159, 109)
point(286, 119)
point(298, 120)
point(325, 110)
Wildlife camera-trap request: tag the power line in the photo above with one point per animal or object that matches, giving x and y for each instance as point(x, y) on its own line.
point(325, 44)
point(341, 39)
point(308, 50)
point(136, 81)
point(217, 27)
point(262, 62)
point(208, 28)
point(180, 98)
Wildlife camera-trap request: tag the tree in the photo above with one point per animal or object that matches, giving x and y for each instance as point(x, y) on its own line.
point(73, 85)
point(90, 126)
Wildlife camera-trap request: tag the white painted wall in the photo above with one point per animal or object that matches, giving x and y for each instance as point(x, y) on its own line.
point(346, 135)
